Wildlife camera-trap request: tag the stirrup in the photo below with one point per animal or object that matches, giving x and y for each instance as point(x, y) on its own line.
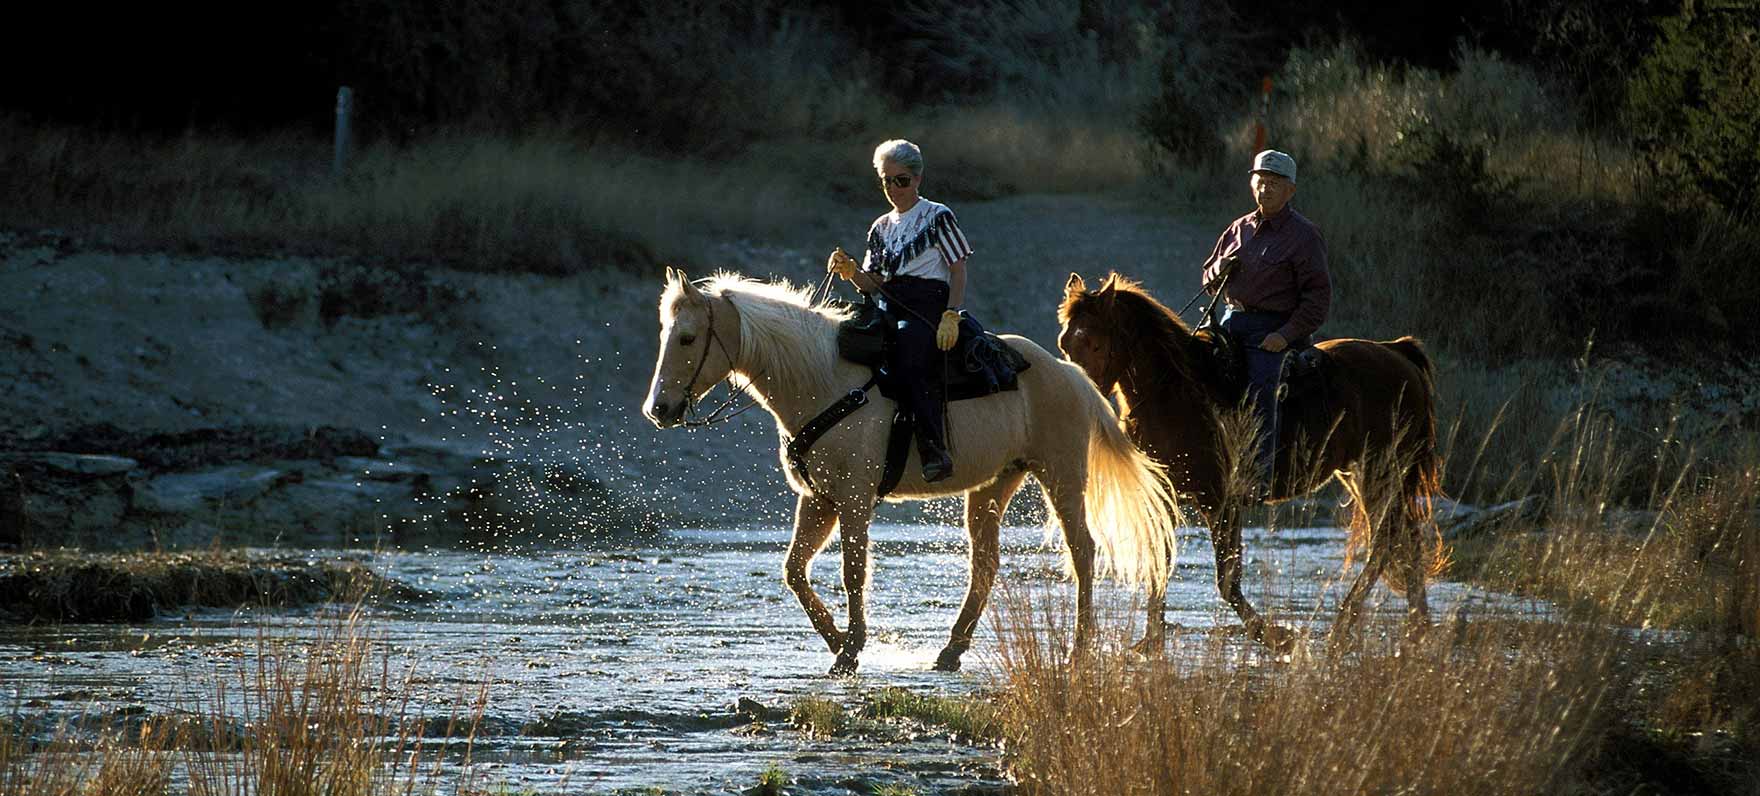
point(938, 469)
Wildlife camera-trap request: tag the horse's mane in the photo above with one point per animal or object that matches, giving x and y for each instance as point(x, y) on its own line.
point(783, 331)
point(1137, 314)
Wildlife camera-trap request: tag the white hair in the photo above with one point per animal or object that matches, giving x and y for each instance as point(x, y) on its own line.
point(899, 151)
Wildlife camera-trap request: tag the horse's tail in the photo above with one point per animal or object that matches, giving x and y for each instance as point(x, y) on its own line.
point(1422, 483)
point(1129, 502)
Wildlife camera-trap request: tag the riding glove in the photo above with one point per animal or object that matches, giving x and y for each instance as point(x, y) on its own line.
point(841, 264)
point(948, 332)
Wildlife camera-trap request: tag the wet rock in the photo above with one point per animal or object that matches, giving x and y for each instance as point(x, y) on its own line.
point(62, 498)
point(201, 448)
point(752, 710)
point(320, 487)
point(189, 493)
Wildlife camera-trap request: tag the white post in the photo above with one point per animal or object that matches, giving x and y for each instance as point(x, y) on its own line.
point(344, 100)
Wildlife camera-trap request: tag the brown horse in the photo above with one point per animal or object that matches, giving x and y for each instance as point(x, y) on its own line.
point(1377, 435)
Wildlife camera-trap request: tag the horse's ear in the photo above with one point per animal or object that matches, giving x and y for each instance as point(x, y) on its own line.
point(1074, 285)
point(677, 275)
point(1108, 284)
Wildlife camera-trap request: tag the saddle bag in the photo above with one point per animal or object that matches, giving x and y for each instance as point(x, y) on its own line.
point(865, 337)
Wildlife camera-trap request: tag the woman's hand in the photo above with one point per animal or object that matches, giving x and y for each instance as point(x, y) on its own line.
point(842, 264)
point(948, 332)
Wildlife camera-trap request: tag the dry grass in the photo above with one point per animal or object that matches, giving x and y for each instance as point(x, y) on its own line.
point(323, 714)
point(114, 763)
point(1588, 698)
point(1455, 715)
point(544, 202)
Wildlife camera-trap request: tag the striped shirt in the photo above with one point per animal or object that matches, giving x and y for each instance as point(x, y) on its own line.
point(924, 241)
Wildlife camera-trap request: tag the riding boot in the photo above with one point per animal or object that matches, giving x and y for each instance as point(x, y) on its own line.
point(937, 464)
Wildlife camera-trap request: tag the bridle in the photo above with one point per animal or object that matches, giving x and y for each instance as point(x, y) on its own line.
point(729, 407)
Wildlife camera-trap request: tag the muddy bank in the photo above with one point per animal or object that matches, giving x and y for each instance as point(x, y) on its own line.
point(61, 587)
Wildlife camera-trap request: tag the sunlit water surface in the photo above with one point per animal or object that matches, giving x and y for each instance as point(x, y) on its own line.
point(618, 669)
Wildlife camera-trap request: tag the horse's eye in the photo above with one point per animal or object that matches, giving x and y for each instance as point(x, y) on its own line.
point(685, 340)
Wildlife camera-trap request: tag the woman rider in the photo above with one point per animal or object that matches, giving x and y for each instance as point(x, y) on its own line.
point(916, 262)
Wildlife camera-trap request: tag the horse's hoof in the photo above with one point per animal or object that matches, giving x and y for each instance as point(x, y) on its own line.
point(836, 641)
point(844, 666)
point(1414, 637)
point(1279, 639)
point(947, 661)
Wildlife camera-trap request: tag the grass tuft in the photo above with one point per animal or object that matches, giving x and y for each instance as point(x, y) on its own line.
point(71, 586)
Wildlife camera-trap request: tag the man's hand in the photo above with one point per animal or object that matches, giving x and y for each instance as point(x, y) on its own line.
point(842, 264)
point(1274, 343)
point(1219, 271)
point(948, 332)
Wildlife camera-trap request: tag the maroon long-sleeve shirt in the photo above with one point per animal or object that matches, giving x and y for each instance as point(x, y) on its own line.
point(1282, 269)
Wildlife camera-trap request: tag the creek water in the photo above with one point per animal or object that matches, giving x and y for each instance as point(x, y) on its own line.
point(617, 669)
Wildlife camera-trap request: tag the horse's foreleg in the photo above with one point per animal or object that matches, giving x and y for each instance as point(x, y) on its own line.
point(1225, 537)
point(814, 518)
point(984, 507)
point(853, 531)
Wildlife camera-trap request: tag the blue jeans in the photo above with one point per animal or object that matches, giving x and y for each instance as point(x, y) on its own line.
point(1249, 329)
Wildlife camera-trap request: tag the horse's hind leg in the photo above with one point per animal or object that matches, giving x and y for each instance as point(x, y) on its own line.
point(1350, 611)
point(1225, 537)
point(984, 507)
point(1065, 496)
point(814, 519)
point(1416, 573)
point(1154, 639)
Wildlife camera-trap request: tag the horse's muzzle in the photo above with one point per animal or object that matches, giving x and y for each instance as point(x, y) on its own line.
point(664, 415)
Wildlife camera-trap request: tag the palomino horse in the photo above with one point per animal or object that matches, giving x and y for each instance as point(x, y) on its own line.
point(1111, 500)
point(1378, 437)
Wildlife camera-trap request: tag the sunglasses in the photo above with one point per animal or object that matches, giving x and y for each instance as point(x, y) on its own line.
point(897, 180)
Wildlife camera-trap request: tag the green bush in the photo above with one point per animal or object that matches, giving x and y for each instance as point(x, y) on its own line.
point(1695, 103)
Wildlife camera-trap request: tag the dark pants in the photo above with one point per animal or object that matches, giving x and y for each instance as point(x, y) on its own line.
point(915, 357)
point(1263, 368)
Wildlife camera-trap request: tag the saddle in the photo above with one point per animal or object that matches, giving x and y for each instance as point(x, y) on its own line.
point(1301, 384)
point(979, 364)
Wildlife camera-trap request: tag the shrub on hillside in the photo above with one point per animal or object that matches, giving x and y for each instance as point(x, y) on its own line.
point(1695, 103)
point(1332, 105)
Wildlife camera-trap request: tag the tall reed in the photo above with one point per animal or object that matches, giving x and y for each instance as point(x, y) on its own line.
point(318, 711)
point(1581, 695)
